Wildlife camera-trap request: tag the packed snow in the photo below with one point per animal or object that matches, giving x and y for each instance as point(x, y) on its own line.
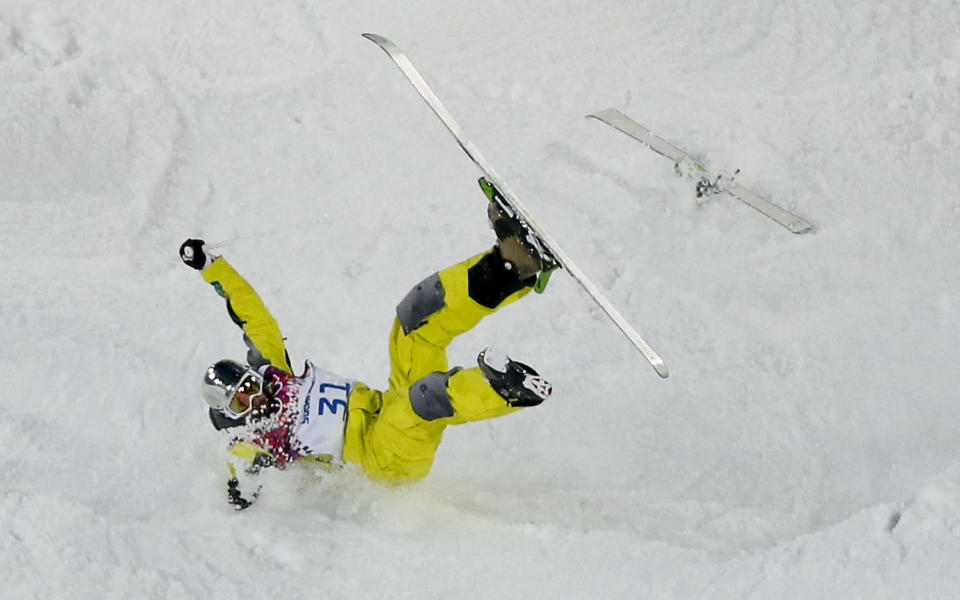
point(804, 446)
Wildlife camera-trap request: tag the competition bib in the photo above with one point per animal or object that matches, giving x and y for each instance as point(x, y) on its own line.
point(322, 412)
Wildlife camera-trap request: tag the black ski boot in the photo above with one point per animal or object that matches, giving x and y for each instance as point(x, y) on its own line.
point(519, 384)
point(517, 244)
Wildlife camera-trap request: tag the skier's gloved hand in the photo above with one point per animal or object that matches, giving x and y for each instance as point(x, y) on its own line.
point(193, 254)
point(263, 459)
point(235, 498)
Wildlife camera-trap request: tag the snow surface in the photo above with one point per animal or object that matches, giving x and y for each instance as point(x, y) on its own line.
point(805, 445)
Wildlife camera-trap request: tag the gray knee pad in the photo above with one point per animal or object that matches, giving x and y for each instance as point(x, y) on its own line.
point(429, 397)
point(426, 298)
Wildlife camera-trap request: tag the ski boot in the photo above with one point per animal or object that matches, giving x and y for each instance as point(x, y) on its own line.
point(519, 384)
point(517, 244)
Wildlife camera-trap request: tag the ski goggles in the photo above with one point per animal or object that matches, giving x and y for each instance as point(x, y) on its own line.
point(249, 386)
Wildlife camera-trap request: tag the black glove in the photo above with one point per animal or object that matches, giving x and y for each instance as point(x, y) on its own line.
point(192, 254)
point(262, 459)
point(234, 497)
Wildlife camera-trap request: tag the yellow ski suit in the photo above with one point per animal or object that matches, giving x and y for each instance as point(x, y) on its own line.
point(392, 434)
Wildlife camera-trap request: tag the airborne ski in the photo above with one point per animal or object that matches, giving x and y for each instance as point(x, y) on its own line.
point(708, 182)
point(411, 73)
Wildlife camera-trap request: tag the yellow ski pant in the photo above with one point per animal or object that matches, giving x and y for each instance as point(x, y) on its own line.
point(384, 434)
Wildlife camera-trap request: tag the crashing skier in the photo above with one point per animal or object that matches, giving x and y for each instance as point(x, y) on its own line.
point(276, 417)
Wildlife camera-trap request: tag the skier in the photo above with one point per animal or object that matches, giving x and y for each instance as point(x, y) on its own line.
point(277, 417)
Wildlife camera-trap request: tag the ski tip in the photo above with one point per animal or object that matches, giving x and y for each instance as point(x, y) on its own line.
point(601, 114)
point(377, 38)
point(800, 226)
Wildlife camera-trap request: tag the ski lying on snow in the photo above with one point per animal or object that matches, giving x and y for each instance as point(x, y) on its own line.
point(563, 259)
point(708, 180)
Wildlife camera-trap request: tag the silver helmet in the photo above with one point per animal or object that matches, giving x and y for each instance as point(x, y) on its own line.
point(220, 385)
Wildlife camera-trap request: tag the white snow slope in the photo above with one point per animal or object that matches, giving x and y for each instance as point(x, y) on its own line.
point(805, 445)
